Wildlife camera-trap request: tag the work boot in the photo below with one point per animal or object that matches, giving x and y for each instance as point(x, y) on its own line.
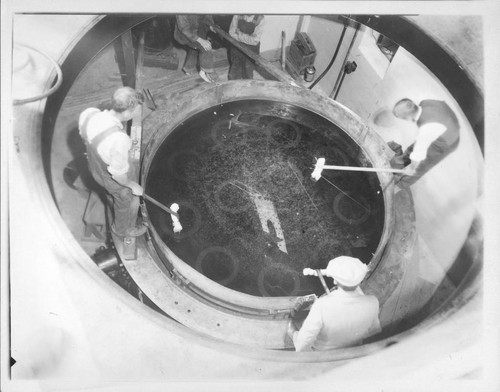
point(210, 77)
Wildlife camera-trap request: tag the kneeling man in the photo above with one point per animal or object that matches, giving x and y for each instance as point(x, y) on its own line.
point(342, 318)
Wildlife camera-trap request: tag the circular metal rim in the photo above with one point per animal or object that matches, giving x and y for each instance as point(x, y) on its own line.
point(207, 96)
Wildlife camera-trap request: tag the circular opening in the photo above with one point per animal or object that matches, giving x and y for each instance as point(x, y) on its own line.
point(252, 217)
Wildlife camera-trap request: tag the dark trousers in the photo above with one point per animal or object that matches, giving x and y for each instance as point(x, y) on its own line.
point(196, 52)
point(241, 66)
point(125, 205)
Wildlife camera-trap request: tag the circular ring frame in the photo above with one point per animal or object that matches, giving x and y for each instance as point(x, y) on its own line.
point(338, 212)
point(262, 276)
point(234, 262)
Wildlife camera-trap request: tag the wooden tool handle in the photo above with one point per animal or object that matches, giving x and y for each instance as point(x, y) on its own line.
point(366, 169)
point(158, 204)
point(322, 279)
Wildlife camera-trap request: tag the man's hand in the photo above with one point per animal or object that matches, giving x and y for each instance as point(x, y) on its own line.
point(411, 169)
point(136, 188)
point(123, 180)
point(204, 43)
point(309, 272)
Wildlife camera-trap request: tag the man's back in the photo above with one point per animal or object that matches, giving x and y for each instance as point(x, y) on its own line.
point(340, 319)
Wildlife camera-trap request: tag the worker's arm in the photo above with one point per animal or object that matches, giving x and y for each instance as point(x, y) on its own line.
point(233, 26)
point(411, 169)
point(313, 272)
point(185, 27)
point(209, 20)
point(305, 338)
point(127, 182)
point(117, 158)
point(250, 39)
point(427, 134)
point(254, 38)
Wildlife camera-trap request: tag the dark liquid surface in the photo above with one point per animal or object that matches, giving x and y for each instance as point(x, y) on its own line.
point(252, 217)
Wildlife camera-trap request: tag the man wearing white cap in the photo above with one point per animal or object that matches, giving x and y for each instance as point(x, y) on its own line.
point(342, 318)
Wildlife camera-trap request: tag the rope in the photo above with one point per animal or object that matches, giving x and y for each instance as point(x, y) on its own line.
point(252, 193)
point(303, 187)
point(358, 203)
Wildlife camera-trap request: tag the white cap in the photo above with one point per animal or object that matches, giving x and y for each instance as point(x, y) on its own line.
point(346, 270)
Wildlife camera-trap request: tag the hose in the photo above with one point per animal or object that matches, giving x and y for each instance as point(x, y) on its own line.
point(49, 92)
point(333, 58)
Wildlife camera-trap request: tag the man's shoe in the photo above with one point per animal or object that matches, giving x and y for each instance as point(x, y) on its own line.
point(210, 77)
point(204, 76)
point(136, 231)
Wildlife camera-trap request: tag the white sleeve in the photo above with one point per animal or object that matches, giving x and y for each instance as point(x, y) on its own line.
point(115, 153)
point(232, 28)
point(84, 116)
point(305, 338)
point(249, 39)
point(427, 134)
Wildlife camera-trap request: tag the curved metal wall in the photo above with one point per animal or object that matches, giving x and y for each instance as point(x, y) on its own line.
point(104, 302)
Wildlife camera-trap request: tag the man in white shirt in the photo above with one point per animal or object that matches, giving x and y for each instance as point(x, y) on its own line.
point(247, 29)
point(108, 147)
point(438, 135)
point(342, 318)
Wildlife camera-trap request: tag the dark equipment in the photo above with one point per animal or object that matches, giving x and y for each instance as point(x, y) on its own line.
point(106, 259)
point(309, 73)
point(302, 52)
point(159, 49)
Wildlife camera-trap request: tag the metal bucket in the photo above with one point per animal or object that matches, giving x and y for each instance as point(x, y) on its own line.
point(309, 73)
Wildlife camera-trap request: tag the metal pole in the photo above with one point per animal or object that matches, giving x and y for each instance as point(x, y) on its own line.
point(340, 78)
point(337, 86)
point(322, 280)
point(365, 169)
point(158, 204)
point(276, 73)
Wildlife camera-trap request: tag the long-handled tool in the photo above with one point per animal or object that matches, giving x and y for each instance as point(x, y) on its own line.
point(320, 166)
point(319, 273)
point(158, 204)
point(172, 211)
